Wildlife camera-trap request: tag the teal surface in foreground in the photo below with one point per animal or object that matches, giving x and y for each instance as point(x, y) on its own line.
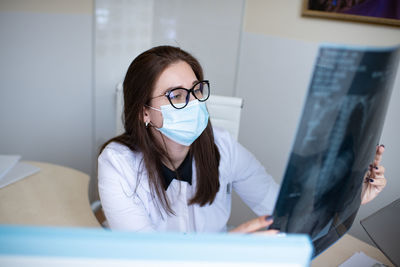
point(100, 243)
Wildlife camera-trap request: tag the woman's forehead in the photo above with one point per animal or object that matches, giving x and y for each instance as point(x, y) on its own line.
point(178, 74)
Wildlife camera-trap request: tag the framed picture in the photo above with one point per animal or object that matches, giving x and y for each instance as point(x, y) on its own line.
point(370, 11)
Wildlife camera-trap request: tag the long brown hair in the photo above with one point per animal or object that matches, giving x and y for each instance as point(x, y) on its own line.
point(138, 85)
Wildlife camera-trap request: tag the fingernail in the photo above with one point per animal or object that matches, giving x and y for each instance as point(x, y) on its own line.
point(269, 218)
point(371, 180)
point(382, 145)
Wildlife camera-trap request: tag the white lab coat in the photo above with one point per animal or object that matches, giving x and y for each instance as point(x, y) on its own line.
point(129, 205)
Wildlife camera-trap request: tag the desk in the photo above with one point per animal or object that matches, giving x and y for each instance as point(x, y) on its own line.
point(58, 196)
point(344, 249)
point(55, 196)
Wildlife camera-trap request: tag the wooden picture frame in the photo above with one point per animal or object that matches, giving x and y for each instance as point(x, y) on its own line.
point(323, 9)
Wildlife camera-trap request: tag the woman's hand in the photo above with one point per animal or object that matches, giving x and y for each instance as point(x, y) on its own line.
point(374, 179)
point(253, 226)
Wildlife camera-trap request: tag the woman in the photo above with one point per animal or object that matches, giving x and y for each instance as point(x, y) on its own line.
point(170, 170)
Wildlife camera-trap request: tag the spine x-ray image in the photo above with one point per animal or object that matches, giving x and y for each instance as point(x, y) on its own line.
point(336, 140)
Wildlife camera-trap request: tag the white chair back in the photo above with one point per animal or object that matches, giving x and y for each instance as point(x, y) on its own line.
point(225, 113)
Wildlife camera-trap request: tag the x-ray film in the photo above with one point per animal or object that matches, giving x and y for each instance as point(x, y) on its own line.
point(336, 141)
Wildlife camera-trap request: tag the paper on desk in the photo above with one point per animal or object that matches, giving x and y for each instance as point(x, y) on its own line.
point(362, 260)
point(18, 172)
point(7, 162)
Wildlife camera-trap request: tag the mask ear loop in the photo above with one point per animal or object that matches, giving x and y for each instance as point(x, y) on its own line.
point(147, 123)
point(153, 108)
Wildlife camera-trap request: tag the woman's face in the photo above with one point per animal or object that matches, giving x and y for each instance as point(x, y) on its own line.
point(178, 74)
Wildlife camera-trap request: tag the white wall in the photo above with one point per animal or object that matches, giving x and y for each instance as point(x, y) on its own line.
point(46, 81)
point(277, 52)
point(208, 29)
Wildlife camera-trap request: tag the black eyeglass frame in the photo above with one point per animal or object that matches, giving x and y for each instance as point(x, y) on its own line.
point(191, 90)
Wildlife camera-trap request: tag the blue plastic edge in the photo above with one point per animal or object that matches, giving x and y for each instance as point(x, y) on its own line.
point(100, 243)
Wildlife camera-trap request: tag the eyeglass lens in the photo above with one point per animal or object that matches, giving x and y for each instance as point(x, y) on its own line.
point(180, 97)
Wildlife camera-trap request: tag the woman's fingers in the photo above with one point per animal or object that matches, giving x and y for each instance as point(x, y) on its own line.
point(374, 179)
point(378, 155)
point(378, 181)
point(253, 225)
point(377, 170)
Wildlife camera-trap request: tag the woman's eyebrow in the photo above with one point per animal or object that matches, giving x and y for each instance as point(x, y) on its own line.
point(179, 86)
point(173, 87)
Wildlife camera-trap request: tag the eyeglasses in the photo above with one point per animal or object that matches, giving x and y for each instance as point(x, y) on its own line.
point(179, 97)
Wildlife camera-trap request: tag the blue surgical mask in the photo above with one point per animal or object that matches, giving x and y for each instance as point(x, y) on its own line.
point(184, 125)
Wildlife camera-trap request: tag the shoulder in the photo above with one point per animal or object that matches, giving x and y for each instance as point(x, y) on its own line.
point(116, 147)
point(235, 158)
point(222, 138)
point(119, 162)
point(227, 147)
point(120, 152)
